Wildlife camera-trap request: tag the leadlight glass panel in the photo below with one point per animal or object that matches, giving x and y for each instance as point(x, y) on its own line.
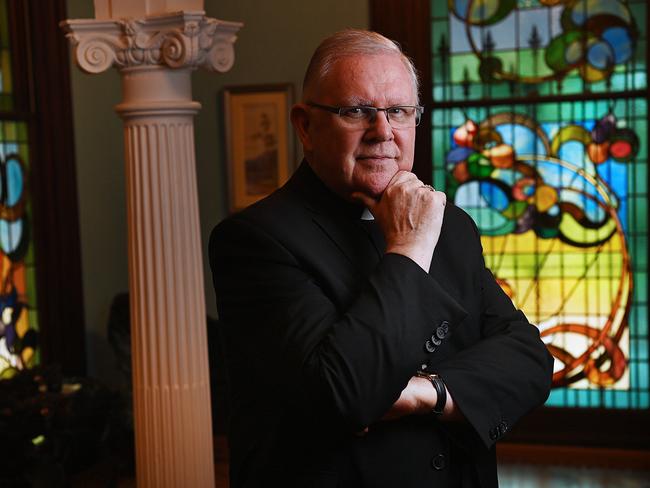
point(18, 315)
point(503, 48)
point(557, 187)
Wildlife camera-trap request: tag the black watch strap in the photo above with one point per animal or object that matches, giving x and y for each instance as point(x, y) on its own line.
point(441, 391)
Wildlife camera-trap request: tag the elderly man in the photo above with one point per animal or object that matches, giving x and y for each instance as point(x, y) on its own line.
point(367, 344)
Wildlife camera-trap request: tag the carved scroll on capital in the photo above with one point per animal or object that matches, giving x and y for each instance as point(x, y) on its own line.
point(179, 40)
point(176, 50)
point(95, 55)
point(220, 52)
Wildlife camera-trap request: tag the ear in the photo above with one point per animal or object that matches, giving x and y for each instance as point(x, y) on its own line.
point(300, 121)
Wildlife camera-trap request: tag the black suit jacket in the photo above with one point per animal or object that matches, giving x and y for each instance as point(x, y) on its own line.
point(323, 331)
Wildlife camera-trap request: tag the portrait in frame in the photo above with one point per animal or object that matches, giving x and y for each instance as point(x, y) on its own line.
point(259, 142)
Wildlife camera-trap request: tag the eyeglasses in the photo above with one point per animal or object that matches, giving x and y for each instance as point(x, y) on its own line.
point(361, 116)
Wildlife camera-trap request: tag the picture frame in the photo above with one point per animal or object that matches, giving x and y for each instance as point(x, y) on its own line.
point(259, 141)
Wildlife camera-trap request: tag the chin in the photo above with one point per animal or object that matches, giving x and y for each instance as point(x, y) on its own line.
point(374, 185)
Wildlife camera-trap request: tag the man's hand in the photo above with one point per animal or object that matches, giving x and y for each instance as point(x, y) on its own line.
point(419, 397)
point(409, 214)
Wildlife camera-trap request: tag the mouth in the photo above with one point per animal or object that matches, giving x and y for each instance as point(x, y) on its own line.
point(375, 156)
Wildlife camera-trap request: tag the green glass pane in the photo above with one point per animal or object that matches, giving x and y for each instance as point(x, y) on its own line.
point(640, 318)
point(643, 370)
point(556, 399)
point(22, 132)
point(439, 74)
point(439, 9)
point(640, 220)
point(641, 127)
point(643, 351)
point(641, 290)
point(583, 398)
point(621, 399)
point(640, 256)
point(607, 399)
point(10, 132)
point(439, 35)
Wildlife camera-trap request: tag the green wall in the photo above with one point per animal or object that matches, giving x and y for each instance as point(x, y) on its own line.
point(274, 46)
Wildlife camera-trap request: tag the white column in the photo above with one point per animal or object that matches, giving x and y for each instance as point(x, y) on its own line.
point(171, 388)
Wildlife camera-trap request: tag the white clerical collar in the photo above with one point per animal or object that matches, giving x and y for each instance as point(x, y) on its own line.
point(367, 215)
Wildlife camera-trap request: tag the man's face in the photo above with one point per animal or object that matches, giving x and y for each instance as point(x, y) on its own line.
point(358, 159)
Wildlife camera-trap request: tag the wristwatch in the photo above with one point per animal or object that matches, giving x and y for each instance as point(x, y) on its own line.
point(441, 391)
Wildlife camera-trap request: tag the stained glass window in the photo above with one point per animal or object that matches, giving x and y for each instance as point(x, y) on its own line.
point(499, 48)
point(540, 133)
point(18, 317)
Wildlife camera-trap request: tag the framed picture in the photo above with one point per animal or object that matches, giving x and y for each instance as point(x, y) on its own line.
point(259, 141)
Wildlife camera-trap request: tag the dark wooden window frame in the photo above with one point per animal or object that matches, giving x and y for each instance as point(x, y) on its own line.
point(409, 23)
point(41, 69)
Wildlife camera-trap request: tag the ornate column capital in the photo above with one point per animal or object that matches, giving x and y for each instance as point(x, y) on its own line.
point(177, 40)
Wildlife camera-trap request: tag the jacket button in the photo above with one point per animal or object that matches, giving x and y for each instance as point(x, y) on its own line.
point(429, 346)
point(440, 333)
point(439, 462)
point(503, 427)
point(435, 340)
point(445, 326)
point(494, 434)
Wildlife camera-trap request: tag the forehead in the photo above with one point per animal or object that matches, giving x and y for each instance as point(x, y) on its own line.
point(376, 79)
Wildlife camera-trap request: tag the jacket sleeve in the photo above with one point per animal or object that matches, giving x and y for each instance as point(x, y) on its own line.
point(507, 372)
point(350, 364)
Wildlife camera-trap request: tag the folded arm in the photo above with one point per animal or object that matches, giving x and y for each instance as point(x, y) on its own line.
point(351, 362)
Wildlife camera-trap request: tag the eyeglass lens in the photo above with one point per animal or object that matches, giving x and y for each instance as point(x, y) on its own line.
point(398, 116)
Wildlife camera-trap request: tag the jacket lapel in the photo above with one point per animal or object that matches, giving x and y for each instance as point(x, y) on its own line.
point(337, 220)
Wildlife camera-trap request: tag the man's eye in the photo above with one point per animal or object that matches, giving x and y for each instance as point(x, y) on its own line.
point(398, 112)
point(355, 112)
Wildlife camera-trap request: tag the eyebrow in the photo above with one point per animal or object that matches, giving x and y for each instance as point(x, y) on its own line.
point(364, 102)
point(358, 101)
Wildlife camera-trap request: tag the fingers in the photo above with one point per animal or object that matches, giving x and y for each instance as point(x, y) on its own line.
point(410, 181)
point(438, 196)
point(404, 180)
point(410, 215)
point(402, 183)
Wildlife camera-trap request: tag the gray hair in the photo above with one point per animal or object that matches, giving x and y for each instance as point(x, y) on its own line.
point(352, 42)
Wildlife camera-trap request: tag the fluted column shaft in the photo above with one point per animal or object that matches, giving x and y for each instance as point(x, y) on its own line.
point(171, 387)
point(170, 370)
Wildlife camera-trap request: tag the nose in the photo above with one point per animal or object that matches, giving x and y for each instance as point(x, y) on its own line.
point(380, 128)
